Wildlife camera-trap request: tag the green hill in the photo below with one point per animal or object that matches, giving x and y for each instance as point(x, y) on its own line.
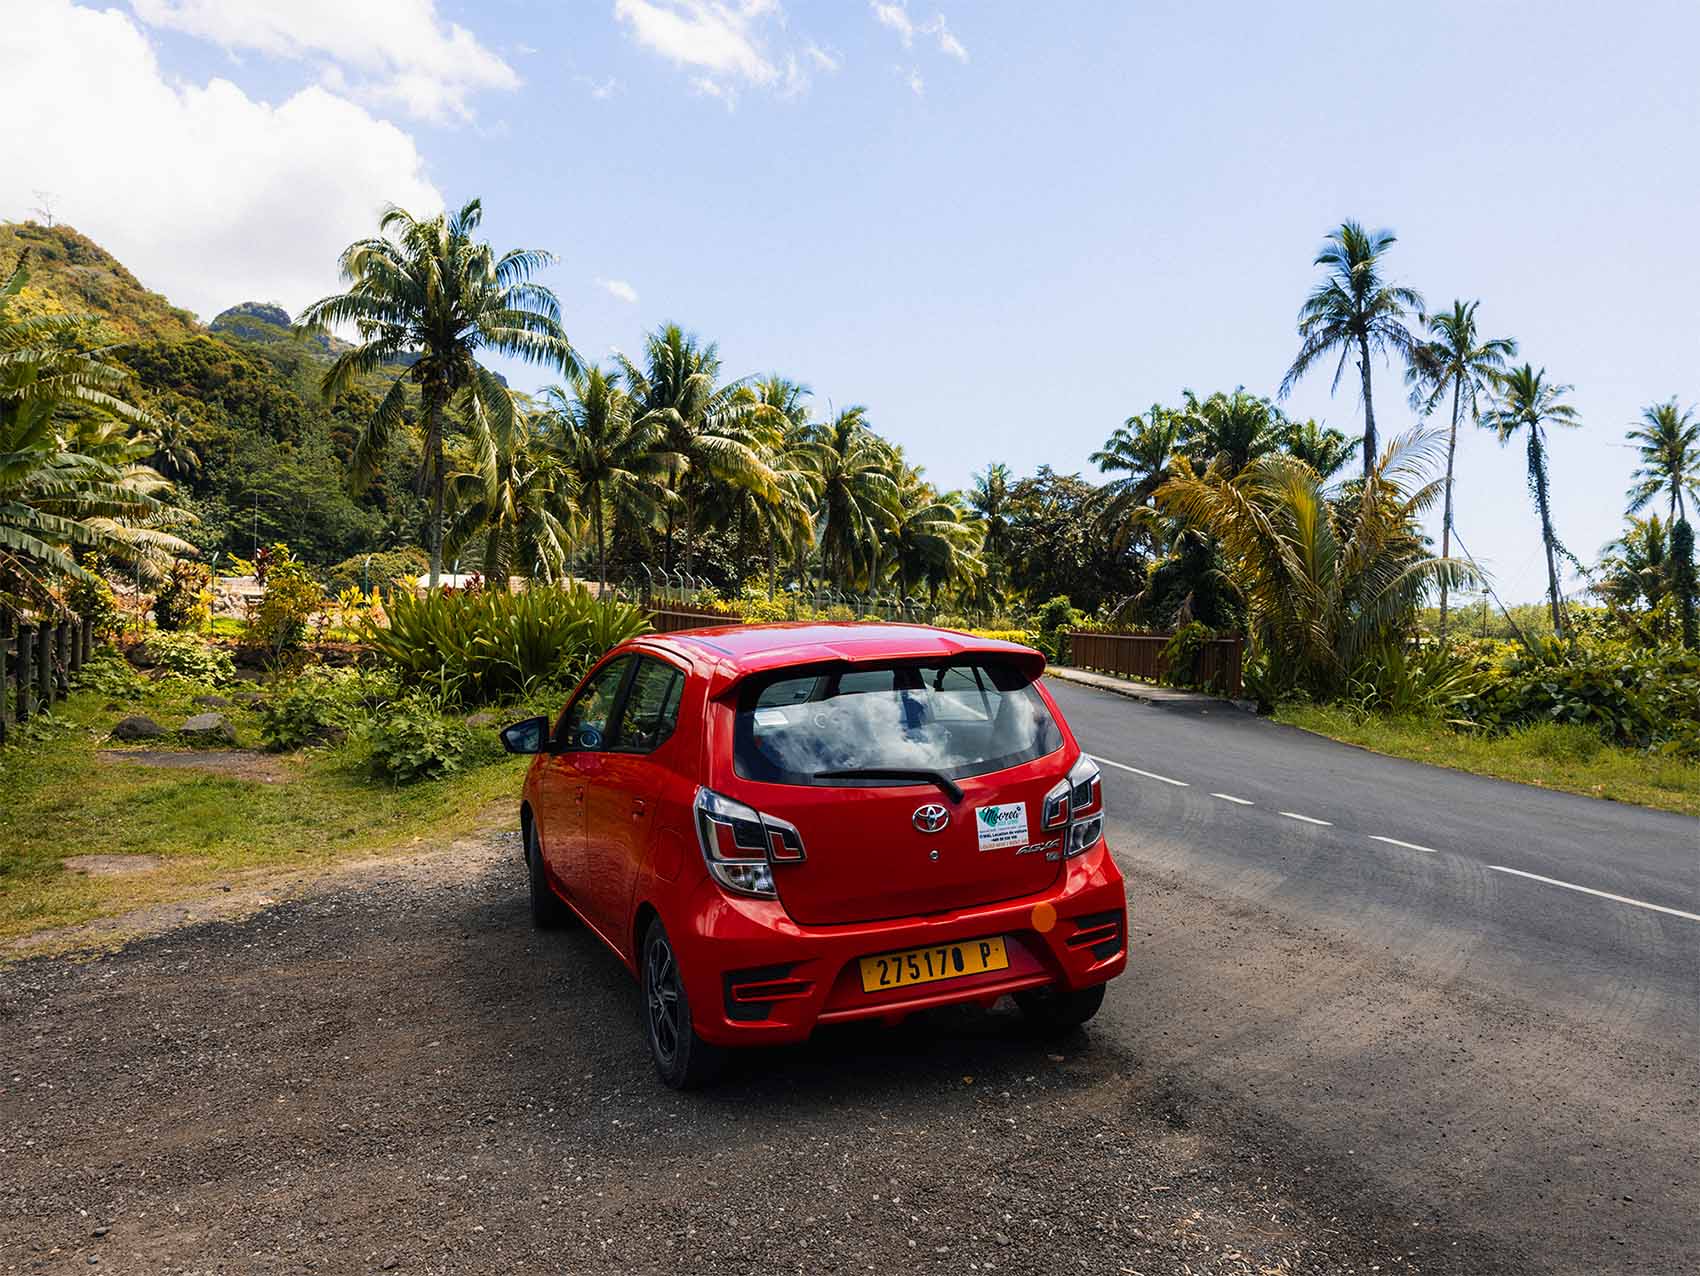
point(71, 273)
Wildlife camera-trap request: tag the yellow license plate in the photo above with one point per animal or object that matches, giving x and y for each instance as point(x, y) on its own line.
point(928, 965)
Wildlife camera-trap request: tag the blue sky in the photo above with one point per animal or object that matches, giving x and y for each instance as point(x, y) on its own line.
point(1001, 226)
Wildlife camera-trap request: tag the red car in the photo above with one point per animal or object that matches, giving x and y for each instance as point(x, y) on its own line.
point(779, 826)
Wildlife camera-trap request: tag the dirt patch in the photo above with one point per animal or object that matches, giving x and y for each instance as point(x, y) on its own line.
point(239, 764)
point(395, 1072)
point(111, 865)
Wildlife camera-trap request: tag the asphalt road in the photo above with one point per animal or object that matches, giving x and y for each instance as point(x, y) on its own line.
point(1380, 985)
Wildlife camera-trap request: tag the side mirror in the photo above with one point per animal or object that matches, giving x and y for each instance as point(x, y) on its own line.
point(529, 736)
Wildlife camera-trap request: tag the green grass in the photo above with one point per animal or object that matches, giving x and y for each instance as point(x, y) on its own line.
point(1549, 755)
point(60, 799)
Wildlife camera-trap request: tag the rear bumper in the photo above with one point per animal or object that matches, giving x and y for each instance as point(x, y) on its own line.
point(755, 977)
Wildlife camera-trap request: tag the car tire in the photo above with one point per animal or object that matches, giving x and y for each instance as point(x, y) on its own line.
point(683, 1060)
point(1056, 1010)
point(547, 910)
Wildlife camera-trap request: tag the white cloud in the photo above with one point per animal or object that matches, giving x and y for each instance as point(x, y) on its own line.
point(390, 51)
point(726, 43)
point(619, 289)
point(896, 16)
point(208, 195)
point(917, 85)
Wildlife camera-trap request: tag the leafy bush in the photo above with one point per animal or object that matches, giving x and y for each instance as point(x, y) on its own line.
point(1180, 653)
point(108, 674)
point(412, 740)
point(290, 597)
point(1633, 698)
point(321, 706)
point(1425, 681)
point(94, 600)
point(1021, 636)
point(187, 656)
point(185, 602)
point(490, 646)
point(377, 571)
point(1054, 619)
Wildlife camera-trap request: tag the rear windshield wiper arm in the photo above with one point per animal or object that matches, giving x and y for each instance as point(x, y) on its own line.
point(939, 778)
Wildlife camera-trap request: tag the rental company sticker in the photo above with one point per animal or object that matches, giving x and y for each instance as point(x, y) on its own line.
point(1001, 826)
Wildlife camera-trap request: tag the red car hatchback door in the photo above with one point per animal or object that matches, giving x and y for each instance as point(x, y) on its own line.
point(876, 847)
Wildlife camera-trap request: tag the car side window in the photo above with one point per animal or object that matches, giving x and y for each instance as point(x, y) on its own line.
point(652, 707)
point(584, 726)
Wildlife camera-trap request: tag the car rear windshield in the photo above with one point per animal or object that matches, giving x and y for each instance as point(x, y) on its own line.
point(960, 718)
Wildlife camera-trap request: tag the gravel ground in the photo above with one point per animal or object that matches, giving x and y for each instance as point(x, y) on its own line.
point(394, 1072)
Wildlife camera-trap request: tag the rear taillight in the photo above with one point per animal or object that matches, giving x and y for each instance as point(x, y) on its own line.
point(1076, 803)
point(741, 845)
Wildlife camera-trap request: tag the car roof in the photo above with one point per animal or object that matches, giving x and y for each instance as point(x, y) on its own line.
point(728, 653)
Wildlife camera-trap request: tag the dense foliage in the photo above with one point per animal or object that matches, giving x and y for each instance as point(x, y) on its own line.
point(487, 646)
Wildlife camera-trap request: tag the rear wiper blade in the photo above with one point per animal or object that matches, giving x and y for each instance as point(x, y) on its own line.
point(939, 778)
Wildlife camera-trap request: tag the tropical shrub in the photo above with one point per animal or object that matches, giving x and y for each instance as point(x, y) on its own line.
point(1180, 653)
point(491, 646)
point(378, 571)
point(92, 598)
point(321, 706)
point(108, 674)
point(1022, 636)
point(186, 656)
point(290, 597)
point(412, 740)
point(185, 602)
point(1325, 581)
point(1426, 680)
point(1054, 618)
point(1633, 698)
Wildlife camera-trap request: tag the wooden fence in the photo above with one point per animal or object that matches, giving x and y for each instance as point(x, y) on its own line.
point(669, 620)
point(36, 664)
point(1217, 665)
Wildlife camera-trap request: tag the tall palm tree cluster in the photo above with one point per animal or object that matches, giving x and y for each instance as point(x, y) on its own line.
point(657, 452)
point(75, 494)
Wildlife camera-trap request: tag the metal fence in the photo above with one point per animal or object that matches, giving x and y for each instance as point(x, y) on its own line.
point(1217, 664)
point(36, 664)
point(653, 588)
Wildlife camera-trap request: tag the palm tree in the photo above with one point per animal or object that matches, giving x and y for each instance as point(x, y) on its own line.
point(784, 515)
point(1325, 582)
point(428, 289)
point(1456, 358)
point(933, 541)
point(1637, 566)
point(704, 428)
point(1232, 430)
point(1530, 403)
point(1669, 443)
point(70, 479)
point(611, 456)
point(1140, 450)
point(1322, 447)
point(1355, 311)
point(515, 493)
point(990, 501)
point(174, 440)
point(857, 495)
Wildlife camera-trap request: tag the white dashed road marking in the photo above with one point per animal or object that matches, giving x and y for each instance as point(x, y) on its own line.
point(1409, 846)
point(1229, 797)
point(1149, 775)
point(1589, 890)
point(1308, 819)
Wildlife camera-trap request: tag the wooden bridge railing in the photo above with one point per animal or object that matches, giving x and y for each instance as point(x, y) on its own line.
point(36, 664)
point(1218, 664)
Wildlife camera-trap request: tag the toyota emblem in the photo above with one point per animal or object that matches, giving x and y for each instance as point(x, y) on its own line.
point(931, 818)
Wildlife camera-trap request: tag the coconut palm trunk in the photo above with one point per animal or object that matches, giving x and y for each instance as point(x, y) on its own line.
point(1538, 468)
point(436, 461)
point(1369, 407)
point(1446, 516)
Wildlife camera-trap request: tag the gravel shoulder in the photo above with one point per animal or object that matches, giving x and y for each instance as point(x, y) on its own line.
point(392, 1071)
